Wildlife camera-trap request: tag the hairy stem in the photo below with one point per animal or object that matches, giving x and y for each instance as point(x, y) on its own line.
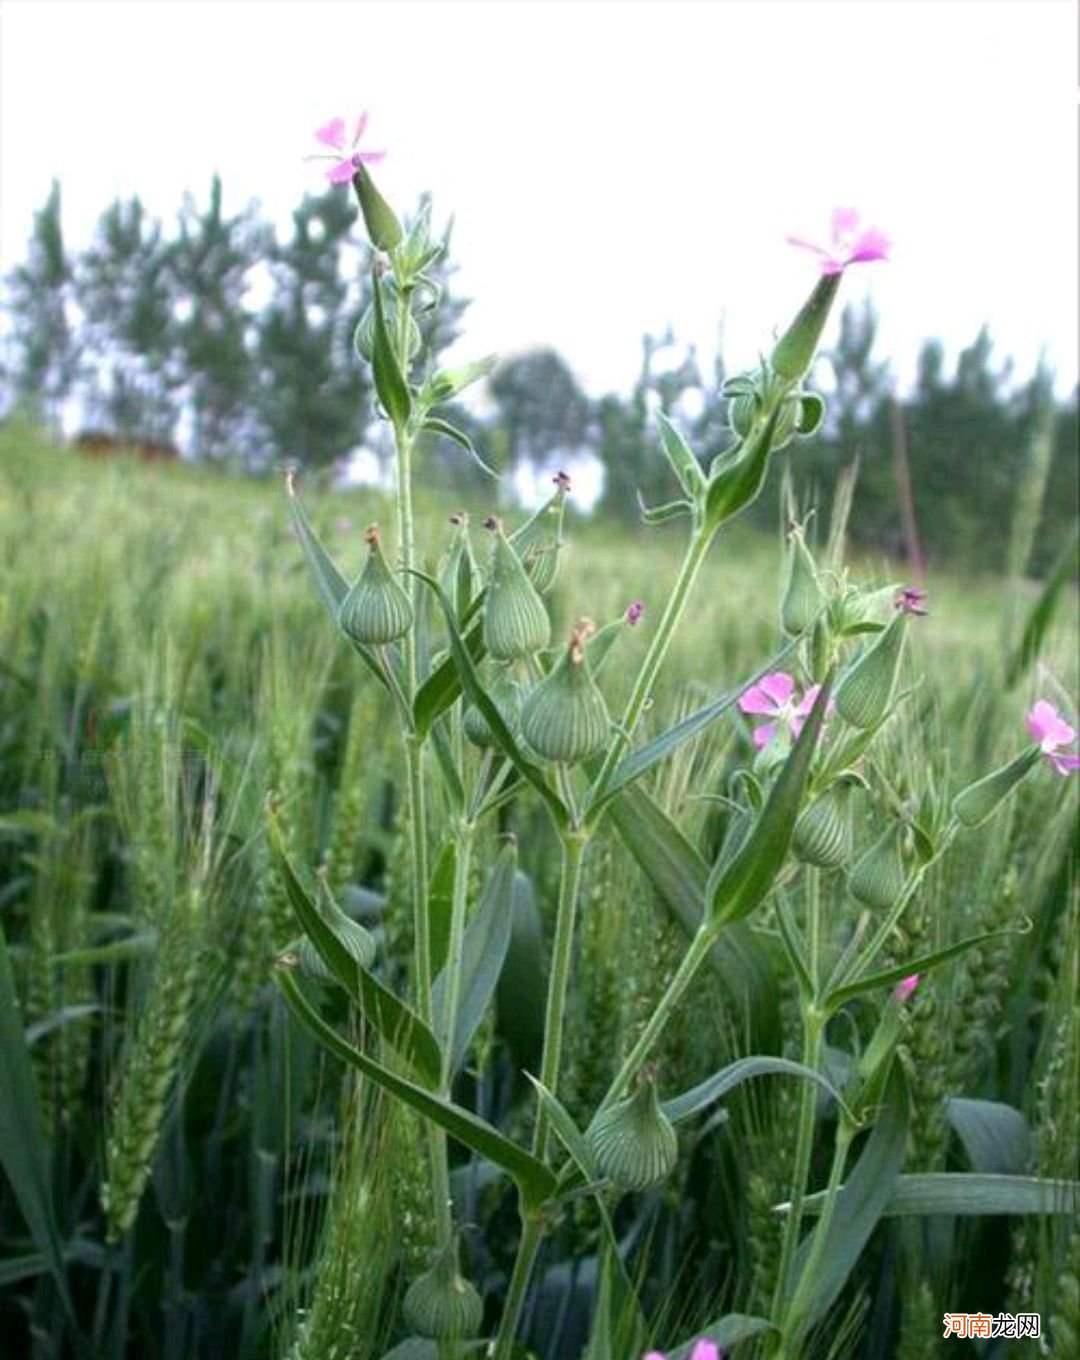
point(813, 1035)
point(532, 1235)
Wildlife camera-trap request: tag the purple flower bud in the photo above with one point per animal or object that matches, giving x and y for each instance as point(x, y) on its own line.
point(903, 990)
point(911, 601)
point(634, 612)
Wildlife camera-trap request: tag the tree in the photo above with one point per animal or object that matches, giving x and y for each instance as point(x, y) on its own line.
point(544, 414)
point(42, 344)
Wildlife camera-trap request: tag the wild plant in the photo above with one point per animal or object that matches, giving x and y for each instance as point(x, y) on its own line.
point(496, 712)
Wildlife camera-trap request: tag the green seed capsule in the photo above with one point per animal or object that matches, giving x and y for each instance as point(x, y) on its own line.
point(515, 620)
point(823, 832)
point(376, 610)
point(441, 1304)
point(803, 596)
point(973, 805)
point(634, 1142)
point(539, 539)
point(879, 877)
point(564, 717)
point(864, 695)
point(364, 335)
point(358, 942)
point(507, 699)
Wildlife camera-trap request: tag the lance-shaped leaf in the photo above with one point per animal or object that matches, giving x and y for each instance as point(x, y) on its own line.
point(995, 1136)
point(738, 885)
point(534, 1180)
point(840, 996)
point(443, 686)
point(700, 1097)
point(478, 695)
point(484, 947)
point(396, 1022)
point(660, 514)
point(440, 902)
point(968, 1194)
point(860, 1204)
point(568, 1133)
point(436, 425)
point(729, 1331)
point(390, 384)
point(735, 484)
point(521, 993)
point(681, 456)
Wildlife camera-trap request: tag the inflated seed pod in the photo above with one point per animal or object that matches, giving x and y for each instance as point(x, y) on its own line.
point(358, 941)
point(865, 694)
point(377, 609)
point(634, 1142)
point(823, 832)
point(364, 335)
point(507, 699)
point(539, 540)
point(515, 620)
point(803, 596)
point(441, 1304)
point(879, 876)
point(744, 409)
point(973, 805)
point(564, 717)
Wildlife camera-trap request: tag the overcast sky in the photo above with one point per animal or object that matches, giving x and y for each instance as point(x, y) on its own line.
point(612, 166)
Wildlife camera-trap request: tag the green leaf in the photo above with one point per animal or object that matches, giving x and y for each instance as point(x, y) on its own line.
point(390, 385)
point(811, 413)
point(1042, 613)
point(449, 382)
point(440, 905)
point(681, 456)
point(996, 1137)
point(568, 1133)
point(532, 1177)
point(840, 996)
point(59, 1019)
point(712, 1088)
point(661, 514)
point(736, 887)
point(396, 1022)
point(728, 1332)
point(968, 1194)
point(521, 994)
point(116, 951)
point(618, 1328)
point(23, 1150)
point(484, 947)
point(443, 686)
point(735, 484)
point(436, 425)
point(860, 1204)
point(478, 695)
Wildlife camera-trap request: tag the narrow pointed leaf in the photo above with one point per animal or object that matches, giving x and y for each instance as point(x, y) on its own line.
point(567, 1132)
point(442, 688)
point(729, 1331)
point(681, 457)
point(966, 1194)
point(700, 1097)
point(390, 384)
point(661, 514)
point(995, 1136)
point(436, 425)
point(532, 1177)
point(487, 938)
point(440, 900)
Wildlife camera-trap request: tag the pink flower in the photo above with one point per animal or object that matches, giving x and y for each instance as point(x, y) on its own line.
point(849, 244)
point(346, 154)
point(634, 612)
point(703, 1350)
point(903, 990)
point(1052, 732)
point(774, 697)
point(911, 601)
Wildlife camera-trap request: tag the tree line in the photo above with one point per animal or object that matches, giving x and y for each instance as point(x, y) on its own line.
point(235, 340)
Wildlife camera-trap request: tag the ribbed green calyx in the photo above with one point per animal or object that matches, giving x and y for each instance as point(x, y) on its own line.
point(515, 620)
point(507, 699)
point(878, 878)
point(383, 228)
point(823, 832)
point(794, 352)
point(753, 394)
point(539, 540)
point(803, 596)
point(973, 805)
point(441, 1304)
point(364, 335)
point(565, 718)
point(865, 694)
point(377, 609)
point(634, 1142)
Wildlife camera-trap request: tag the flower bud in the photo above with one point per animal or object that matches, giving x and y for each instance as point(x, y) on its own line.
point(823, 832)
point(377, 609)
point(879, 876)
point(539, 539)
point(973, 805)
point(515, 620)
point(634, 1141)
point(864, 695)
point(364, 335)
point(564, 717)
point(507, 699)
point(441, 1304)
point(794, 352)
point(383, 228)
point(803, 596)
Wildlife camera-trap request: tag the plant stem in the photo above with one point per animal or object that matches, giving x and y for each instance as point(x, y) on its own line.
point(696, 550)
point(574, 844)
point(532, 1235)
point(459, 901)
point(684, 975)
point(845, 1133)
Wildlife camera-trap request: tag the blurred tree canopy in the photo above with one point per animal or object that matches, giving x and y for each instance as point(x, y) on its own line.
point(237, 342)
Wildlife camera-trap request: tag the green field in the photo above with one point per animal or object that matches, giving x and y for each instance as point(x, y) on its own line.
point(189, 1175)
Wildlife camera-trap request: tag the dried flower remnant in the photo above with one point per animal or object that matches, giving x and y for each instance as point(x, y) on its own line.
point(347, 156)
point(635, 611)
point(775, 697)
point(1050, 730)
point(911, 601)
point(849, 245)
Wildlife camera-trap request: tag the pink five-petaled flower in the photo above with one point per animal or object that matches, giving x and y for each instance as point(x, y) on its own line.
point(774, 697)
point(634, 610)
point(911, 601)
point(903, 989)
point(347, 155)
point(703, 1350)
point(850, 245)
point(1052, 732)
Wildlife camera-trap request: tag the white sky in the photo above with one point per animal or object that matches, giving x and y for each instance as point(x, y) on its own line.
point(611, 165)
